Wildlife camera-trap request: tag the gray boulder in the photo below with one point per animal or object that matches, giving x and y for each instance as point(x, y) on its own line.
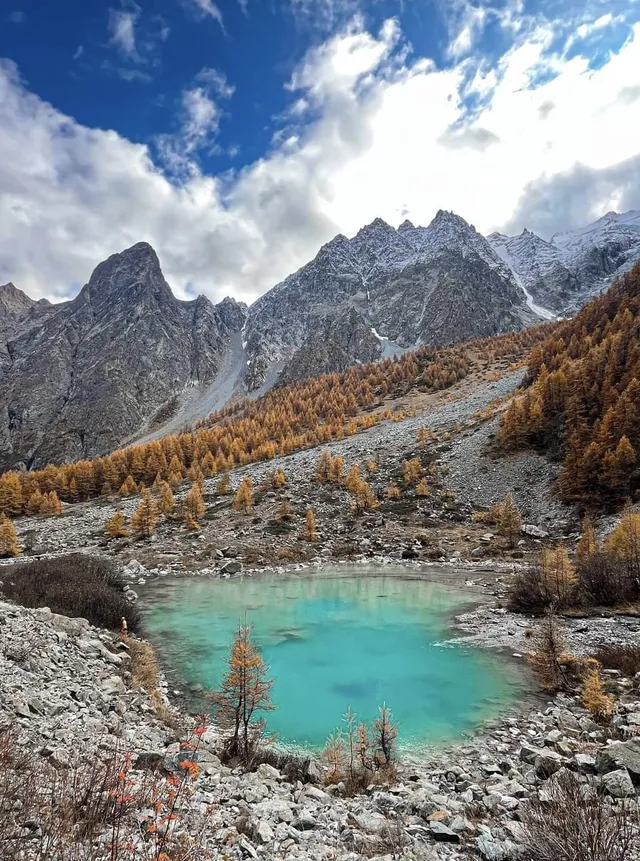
point(621, 754)
point(618, 783)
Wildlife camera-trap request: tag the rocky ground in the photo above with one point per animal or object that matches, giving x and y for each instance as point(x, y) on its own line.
point(68, 694)
point(440, 527)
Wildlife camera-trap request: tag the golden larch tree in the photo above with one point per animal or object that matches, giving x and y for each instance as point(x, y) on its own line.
point(624, 542)
point(11, 494)
point(243, 500)
point(393, 492)
point(115, 526)
point(310, 531)
point(128, 487)
point(50, 505)
point(278, 478)
point(245, 691)
point(145, 517)
point(166, 500)
point(510, 522)
point(411, 471)
point(557, 577)
point(8, 539)
point(224, 485)
point(323, 467)
point(194, 503)
point(422, 488)
point(594, 697)
point(354, 479)
point(35, 501)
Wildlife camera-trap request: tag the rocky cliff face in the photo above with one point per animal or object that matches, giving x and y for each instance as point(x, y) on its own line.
point(565, 272)
point(84, 376)
point(396, 288)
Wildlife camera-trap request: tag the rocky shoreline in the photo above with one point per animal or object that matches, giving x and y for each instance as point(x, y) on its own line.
point(68, 693)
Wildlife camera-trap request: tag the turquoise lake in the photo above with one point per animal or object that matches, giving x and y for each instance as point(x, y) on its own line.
point(336, 639)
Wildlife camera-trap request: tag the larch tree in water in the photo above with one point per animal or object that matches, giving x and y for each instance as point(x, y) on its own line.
point(245, 690)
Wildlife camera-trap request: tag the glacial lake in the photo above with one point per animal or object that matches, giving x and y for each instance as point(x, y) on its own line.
point(337, 638)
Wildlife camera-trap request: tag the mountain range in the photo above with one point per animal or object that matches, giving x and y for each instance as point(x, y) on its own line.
point(126, 360)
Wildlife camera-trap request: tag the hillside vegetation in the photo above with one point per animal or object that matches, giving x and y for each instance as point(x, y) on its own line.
point(583, 401)
point(300, 415)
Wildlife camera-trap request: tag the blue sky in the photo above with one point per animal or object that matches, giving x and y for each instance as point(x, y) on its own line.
point(239, 135)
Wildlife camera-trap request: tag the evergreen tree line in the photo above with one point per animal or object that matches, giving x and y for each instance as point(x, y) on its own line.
point(583, 400)
point(300, 415)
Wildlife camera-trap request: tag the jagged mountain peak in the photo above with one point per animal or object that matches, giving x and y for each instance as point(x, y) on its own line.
point(127, 276)
point(445, 217)
point(378, 231)
point(14, 301)
point(406, 225)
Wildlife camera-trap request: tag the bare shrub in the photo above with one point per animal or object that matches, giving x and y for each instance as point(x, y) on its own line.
point(358, 755)
point(607, 580)
point(549, 660)
point(578, 824)
point(549, 583)
point(618, 657)
point(92, 810)
point(73, 585)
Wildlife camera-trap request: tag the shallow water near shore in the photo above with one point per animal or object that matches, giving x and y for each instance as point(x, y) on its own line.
point(336, 638)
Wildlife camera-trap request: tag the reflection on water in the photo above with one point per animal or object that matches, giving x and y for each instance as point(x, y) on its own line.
point(333, 641)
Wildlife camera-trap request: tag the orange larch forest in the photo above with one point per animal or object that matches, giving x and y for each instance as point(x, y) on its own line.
point(303, 414)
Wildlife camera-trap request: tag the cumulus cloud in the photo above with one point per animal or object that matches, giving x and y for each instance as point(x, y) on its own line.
point(379, 144)
point(475, 138)
point(629, 95)
point(576, 197)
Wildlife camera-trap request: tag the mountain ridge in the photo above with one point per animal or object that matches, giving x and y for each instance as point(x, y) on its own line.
point(84, 376)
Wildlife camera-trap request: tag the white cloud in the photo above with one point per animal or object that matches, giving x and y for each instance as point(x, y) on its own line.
point(79, 51)
point(215, 81)
point(322, 15)
point(122, 29)
point(199, 116)
point(136, 38)
point(470, 26)
point(590, 26)
point(391, 137)
point(205, 9)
